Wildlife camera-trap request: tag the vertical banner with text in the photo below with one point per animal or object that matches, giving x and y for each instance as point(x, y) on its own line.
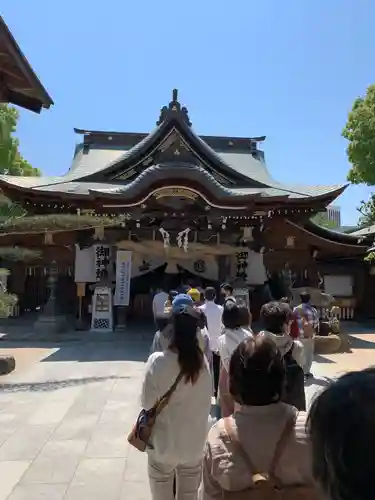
point(123, 276)
point(102, 256)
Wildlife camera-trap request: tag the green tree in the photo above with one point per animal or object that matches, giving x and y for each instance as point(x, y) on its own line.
point(11, 161)
point(321, 219)
point(367, 212)
point(360, 132)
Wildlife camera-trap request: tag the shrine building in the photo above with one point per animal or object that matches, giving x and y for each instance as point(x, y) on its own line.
point(197, 209)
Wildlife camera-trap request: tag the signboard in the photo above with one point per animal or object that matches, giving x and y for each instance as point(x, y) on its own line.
point(242, 295)
point(102, 303)
point(102, 318)
point(123, 277)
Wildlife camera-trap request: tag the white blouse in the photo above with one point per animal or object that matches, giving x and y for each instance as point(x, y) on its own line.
point(228, 342)
point(180, 431)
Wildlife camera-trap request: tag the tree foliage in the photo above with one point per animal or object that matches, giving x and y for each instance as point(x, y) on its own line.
point(367, 212)
point(11, 161)
point(360, 132)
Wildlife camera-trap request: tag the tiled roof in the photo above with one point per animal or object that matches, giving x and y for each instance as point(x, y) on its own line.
point(17, 78)
point(365, 231)
point(65, 185)
point(240, 168)
point(333, 235)
point(96, 159)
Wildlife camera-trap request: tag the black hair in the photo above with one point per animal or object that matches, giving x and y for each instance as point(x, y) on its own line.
point(184, 288)
point(227, 287)
point(210, 293)
point(162, 323)
point(305, 297)
point(340, 426)
point(202, 319)
point(171, 295)
point(243, 314)
point(185, 341)
point(257, 374)
point(275, 315)
point(231, 317)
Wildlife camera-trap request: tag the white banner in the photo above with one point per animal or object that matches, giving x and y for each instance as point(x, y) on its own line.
point(256, 270)
point(123, 276)
point(84, 269)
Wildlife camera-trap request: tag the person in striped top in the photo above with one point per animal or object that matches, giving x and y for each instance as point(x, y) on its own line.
point(307, 318)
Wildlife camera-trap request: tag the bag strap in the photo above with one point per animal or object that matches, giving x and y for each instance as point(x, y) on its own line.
point(289, 352)
point(279, 450)
point(162, 402)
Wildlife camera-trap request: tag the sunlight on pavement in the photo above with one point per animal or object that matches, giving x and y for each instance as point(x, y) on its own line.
point(26, 357)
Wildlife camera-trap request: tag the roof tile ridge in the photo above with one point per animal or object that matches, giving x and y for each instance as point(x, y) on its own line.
point(126, 153)
point(284, 187)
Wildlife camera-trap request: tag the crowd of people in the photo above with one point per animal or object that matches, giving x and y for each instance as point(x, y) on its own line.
point(262, 434)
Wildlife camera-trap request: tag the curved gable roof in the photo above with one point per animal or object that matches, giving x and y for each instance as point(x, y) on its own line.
point(113, 159)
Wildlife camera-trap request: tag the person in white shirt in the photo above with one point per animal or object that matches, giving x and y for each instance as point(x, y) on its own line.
point(214, 314)
point(180, 430)
point(158, 302)
point(236, 329)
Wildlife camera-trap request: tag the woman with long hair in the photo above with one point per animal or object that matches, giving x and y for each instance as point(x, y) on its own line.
point(180, 430)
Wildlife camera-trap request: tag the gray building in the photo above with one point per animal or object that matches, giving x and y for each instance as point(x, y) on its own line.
point(334, 214)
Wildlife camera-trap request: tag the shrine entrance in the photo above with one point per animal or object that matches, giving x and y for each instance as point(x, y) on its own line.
point(195, 280)
point(143, 288)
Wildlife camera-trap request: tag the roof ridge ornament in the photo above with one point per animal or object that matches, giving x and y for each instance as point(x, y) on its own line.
point(174, 108)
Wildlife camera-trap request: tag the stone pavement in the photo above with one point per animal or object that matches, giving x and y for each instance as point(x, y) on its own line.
point(66, 411)
point(64, 422)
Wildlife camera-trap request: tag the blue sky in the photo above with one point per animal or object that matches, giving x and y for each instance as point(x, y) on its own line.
point(289, 70)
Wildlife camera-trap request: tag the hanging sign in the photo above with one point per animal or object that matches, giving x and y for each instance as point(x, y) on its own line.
point(256, 271)
point(84, 267)
point(123, 277)
point(102, 256)
point(242, 265)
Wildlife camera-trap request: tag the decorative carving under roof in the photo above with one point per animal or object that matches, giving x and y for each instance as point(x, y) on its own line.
point(174, 108)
